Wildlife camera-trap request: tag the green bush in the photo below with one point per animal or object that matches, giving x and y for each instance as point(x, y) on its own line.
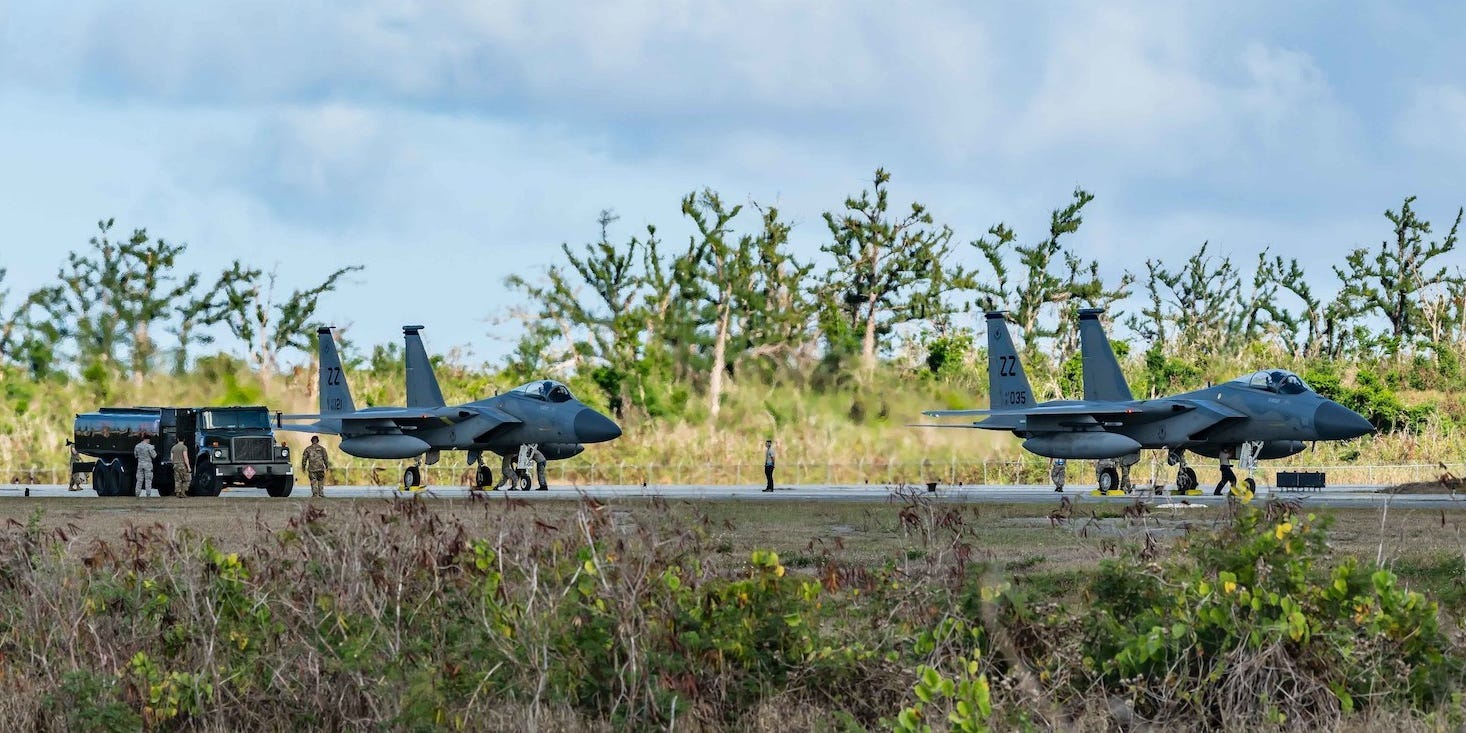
point(1252, 619)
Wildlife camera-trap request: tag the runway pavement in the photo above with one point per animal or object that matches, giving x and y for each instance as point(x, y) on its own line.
point(1334, 496)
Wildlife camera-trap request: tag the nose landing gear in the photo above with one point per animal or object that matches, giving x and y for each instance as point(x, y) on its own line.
point(1247, 460)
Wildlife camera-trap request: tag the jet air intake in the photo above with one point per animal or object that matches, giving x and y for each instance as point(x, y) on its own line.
point(1081, 445)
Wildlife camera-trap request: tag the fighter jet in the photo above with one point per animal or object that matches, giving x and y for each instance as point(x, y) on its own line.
point(1268, 414)
point(542, 412)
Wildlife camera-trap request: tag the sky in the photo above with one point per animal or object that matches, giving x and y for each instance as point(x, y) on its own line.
point(446, 145)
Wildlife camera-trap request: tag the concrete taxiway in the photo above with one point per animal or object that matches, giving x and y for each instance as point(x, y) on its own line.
point(1334, 496)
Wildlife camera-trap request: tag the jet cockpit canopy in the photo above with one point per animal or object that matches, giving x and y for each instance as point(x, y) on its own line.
point(1279, 381)
point(545, 389)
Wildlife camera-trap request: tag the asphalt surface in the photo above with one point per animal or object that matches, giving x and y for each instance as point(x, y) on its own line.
point(1333, 496)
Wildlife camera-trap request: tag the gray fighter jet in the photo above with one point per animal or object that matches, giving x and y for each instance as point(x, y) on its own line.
point(543, 412)
point(1267, 414)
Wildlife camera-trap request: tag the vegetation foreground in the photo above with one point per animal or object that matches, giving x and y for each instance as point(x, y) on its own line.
point(499, 614)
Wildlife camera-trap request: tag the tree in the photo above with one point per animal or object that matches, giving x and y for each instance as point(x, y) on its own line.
point(1395, 281)
point(778, 314)
point(1052, 276)
point(722, 272)
point(150, 292)
point(630, 313)
point(1200, 294)
point(609, 271)
point(196, 311)
point(87, 304)
point(887, 271)
point(265, 325)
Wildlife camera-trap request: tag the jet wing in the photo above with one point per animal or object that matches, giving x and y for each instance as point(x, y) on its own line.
point(1093, 410)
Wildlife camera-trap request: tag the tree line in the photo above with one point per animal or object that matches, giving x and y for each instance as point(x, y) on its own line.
point(640, 314)
point(652, 322)
point(115, 302)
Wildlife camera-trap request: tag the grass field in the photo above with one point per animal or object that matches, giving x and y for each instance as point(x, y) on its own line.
point(1019, 539)
point(221, 614)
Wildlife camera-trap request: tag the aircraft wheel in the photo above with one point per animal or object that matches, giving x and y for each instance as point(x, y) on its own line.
point(411, 478)
point(1250, 484)
point(1109, 479)
point(524, 483)
point(483, 478)
point(1186, 479)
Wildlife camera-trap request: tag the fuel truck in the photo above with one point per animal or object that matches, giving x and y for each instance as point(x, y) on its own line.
point(230, 446)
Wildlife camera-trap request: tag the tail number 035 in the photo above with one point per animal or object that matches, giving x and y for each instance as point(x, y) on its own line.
point(1016, 397)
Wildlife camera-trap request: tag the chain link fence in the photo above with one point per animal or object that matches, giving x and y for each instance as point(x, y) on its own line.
point(946, 473)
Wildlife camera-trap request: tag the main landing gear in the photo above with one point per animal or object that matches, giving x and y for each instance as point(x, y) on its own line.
point(412, 476)
point(1185, 475)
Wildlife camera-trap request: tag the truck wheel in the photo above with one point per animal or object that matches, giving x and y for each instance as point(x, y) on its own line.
point(483, 478)
point(206, 484)
point(411, 478)
point(280, 487)
point(107, 479)
point(1109, 479)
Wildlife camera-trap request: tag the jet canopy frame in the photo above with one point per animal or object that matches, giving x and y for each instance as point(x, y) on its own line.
point(548, 390)
point(1277, 381)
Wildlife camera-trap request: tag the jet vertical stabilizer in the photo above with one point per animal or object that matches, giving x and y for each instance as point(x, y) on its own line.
point(335, 394)
point(422, 386)
point(1103, 379)
point(1007, 384)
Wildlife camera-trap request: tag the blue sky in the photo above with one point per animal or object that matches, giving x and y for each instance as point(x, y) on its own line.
point(444, 145)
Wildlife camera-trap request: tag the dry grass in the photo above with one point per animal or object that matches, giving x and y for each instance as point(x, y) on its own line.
point(400, 564)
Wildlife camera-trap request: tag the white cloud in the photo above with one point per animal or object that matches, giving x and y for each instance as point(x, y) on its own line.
point(471, 138)
point(1435, 120)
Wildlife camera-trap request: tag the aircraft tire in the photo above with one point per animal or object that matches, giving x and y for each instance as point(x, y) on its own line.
point(411, 478)
point(1186, 479)
point(1250, 484)
point(1109, 479)
point(523, 483)
point(483, 478)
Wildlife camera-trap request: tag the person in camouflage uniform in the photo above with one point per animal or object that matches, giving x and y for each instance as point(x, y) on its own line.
point(506, 472)
point(76, 476)
point(316, 463)
point(182, 469)
point(539, 465)
point(145, 455)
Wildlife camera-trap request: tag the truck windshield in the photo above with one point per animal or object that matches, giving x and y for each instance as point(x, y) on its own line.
point(236, 419)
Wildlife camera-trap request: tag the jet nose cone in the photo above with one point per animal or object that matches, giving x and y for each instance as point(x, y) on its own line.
point(1334, 421)
point(593, 427)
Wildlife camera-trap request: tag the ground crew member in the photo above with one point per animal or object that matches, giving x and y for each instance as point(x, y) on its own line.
point(75, 484)
point(539, 464)
point(182, 469)
point(1057, 473)
point(769, 465)
point(315, 463)
point(1225, 459)
point(506, 472)
point(145, 455)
